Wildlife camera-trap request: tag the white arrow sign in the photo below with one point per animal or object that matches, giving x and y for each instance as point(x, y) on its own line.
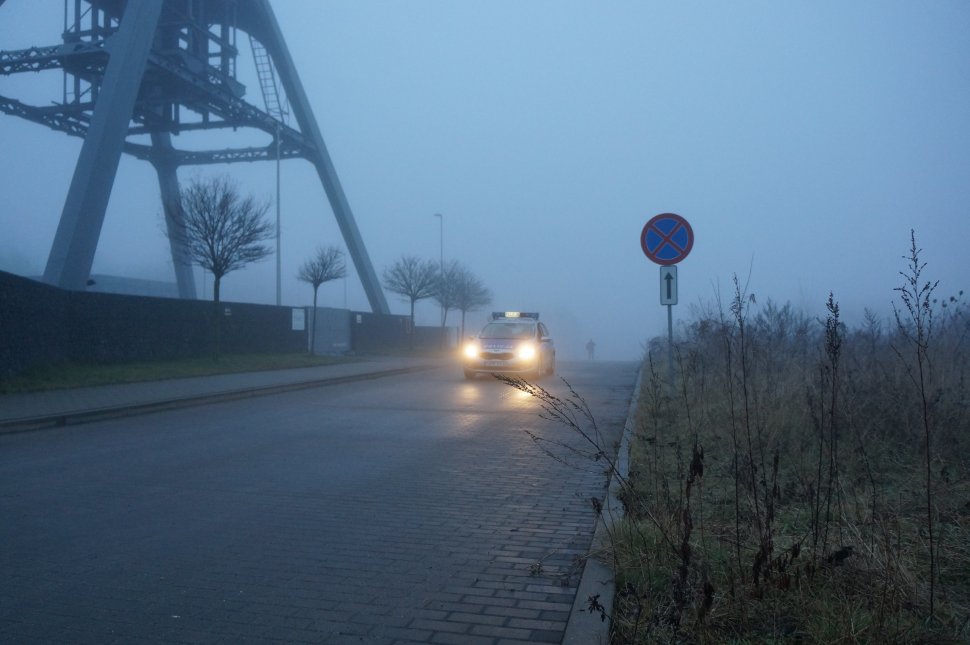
point(668, 285)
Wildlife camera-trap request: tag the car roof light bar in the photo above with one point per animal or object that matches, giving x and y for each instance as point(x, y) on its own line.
point(515, 314)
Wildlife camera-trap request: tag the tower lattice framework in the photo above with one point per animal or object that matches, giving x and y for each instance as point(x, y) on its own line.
point(161, 68)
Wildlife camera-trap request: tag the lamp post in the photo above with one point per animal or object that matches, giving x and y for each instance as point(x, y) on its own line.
point(441, 257)
point(278, 256)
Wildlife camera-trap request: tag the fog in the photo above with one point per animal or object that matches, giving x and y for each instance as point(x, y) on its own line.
point(802, 141)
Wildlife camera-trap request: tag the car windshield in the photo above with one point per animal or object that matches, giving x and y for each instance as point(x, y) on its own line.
point(508, 330)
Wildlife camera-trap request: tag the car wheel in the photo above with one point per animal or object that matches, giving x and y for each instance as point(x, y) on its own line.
point(535, 372)
point(470, 374)
point(552, 366)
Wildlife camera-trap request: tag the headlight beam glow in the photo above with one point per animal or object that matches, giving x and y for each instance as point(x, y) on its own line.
point(526, 351)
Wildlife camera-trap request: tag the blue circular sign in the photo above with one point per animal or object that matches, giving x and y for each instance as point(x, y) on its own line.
point(667, 239)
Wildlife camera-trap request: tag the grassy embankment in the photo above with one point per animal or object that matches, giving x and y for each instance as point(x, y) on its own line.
point(802, 482)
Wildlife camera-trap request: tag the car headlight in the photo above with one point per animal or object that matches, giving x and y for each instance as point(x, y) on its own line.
point(471, 350)
point(526, 351)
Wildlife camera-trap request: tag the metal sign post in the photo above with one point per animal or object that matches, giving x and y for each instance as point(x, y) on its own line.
point(668, 297)
point(670, 347)
point(667, 239)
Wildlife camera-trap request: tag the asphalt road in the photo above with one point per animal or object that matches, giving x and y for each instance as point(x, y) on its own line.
point(411, 508)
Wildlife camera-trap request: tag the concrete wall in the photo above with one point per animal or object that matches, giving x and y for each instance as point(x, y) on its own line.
point(377, 333)
point(332, 330)
point(32, 329)
point(43, 325)
point(340, 331)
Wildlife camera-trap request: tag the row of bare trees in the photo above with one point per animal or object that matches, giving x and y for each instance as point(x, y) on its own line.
point(222, 231)
point(453, 286)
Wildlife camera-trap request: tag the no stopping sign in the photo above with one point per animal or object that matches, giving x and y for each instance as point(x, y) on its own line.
point(667, 239)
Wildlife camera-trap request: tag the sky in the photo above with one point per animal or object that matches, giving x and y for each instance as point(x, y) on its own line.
point(802, 140)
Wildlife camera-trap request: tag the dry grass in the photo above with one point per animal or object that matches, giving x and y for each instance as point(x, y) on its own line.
point(802, 481)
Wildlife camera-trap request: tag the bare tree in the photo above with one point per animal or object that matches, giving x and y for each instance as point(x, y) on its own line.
point(412, 278)
point(459, 288)
point(328, 264)
point(222, 231)
point(470, 295)
point(446, 289)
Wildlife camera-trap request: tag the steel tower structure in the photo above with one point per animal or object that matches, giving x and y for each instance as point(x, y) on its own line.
point(160, 68)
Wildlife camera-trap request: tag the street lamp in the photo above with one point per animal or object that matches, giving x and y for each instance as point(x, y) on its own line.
point(279, 282)
point(441, 256)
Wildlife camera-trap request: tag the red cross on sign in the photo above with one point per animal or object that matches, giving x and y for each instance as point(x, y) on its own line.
point(667, 239)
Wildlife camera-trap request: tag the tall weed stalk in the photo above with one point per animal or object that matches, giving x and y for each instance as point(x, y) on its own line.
point(915, 324)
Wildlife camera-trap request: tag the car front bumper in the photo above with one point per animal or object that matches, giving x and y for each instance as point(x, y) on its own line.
point(499, 366)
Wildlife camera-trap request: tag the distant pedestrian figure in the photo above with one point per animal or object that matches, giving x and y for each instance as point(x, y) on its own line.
point(591, 350)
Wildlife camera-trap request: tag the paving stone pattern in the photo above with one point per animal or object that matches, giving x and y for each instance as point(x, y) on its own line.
point(465, 534)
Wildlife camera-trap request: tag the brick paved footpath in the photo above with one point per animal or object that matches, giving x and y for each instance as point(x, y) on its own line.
point(453, 529)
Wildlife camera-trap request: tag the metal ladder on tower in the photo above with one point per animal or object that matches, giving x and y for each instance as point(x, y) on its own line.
point(266, 74)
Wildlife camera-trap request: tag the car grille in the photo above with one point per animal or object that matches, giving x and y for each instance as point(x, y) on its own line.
point(498, 356)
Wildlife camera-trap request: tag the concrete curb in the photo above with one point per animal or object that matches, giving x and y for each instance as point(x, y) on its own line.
point(585, 627)
point(75, 417)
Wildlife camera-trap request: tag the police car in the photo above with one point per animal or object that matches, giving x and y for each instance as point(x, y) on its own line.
point(512, 342)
